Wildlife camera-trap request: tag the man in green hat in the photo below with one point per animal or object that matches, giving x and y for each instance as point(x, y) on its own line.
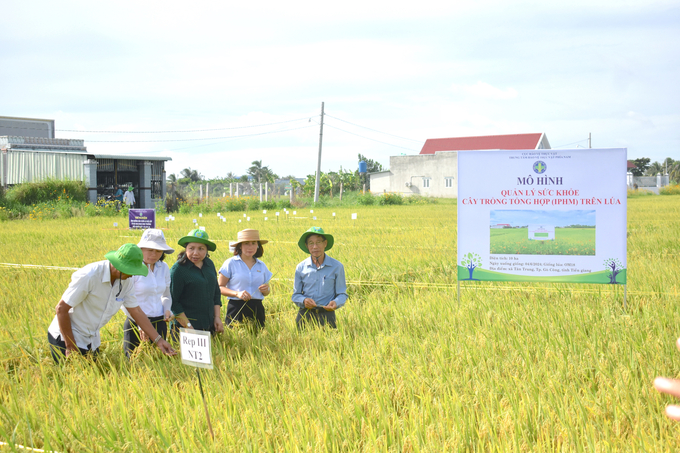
point(129, 197)
point(95, 294)
point(320, 287)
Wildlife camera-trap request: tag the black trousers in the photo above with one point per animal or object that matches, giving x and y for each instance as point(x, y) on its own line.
point(318, 316)
point(238, 310)
point(58, 349)
point(132, 337)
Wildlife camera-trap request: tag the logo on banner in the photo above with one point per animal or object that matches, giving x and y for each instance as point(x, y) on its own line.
point(540, 167)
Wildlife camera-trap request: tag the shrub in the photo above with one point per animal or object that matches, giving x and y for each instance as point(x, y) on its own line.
point(419, 200)
point(670, 190)
point(390, 199)
point(253, 204)
point(632, 193)
point(47, 190)
point(281, 204)
point(366, 199)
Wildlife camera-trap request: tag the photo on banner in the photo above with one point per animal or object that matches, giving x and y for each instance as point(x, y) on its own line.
point(542, 215)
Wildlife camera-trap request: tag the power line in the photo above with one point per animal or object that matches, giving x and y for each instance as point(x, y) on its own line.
point(374, 130)
point(569, 144)
point(198, 139)
point(367, 138)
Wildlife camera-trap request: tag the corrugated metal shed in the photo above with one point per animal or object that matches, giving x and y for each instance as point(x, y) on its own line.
point(29, 166)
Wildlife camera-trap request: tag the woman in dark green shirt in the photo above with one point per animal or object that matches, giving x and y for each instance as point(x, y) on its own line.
point(196, 300)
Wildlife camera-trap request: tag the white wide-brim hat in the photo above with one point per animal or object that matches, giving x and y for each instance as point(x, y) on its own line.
point(154, 239)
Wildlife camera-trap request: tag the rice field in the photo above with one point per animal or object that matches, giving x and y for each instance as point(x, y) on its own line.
point(568, 241)
point(508, 367)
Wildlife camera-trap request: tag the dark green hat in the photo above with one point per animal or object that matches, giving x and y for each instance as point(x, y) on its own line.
point(302, 243)
point(129, 260)
point(200, 236)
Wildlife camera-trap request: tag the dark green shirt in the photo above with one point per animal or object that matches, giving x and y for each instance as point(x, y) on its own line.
point(195, 292)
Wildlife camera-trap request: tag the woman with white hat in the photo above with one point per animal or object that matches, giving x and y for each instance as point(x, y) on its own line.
point(244, 279)
point(152, 291)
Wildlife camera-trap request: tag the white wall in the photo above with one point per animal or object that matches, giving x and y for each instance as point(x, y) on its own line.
point(408, 173)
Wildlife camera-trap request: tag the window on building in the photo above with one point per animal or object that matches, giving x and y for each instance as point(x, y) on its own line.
point(426, 182)
point(448, 182)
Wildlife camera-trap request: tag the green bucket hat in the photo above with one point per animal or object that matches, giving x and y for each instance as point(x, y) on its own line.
point(128, 259)
point(302, 243)
point(197, 235)
point(130, 189)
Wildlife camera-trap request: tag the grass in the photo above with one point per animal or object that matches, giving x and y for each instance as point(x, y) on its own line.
point(568, 241)
point(508, 367)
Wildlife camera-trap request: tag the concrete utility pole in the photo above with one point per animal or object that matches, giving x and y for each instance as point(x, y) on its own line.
point(589, 142)
point(318, 164)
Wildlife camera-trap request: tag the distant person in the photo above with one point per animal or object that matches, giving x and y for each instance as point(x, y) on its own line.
point(129, 197)
point(118, 196)
point(152, 291)
point(671, 387)
point(244, 279)
point(95, 294)
point(319, 288)
point(196, 298)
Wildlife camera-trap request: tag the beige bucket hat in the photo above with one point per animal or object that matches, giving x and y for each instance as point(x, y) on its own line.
point(154, 239)
point(248, 235)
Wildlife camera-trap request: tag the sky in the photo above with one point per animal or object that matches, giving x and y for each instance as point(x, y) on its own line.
point(552, 218)
point(216, 85)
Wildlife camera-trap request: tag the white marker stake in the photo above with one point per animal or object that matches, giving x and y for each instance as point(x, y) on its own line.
point(115, 224)
point(196, 350)
point(294, 212)
point(314, 217)
point(195, 221)
point(223, 219)
point(200, 214)
point(239, 220)
point(201, 228)
point(265, 219)
point(354, 216)
point(277, 216)
point(311, 211)
point(219, 215)
point(248, 219)
point(264, 211)
point(244, 215)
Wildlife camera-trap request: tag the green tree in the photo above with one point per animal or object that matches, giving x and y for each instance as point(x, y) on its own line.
point(372, 166)
point(641, 166)
point(192, 175)
point(654, 168)
point(262, 173)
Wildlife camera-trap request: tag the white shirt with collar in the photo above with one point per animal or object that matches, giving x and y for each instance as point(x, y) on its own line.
point(93, 301)
point(153, 291)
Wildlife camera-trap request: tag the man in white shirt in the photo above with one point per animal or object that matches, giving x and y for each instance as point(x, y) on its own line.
point(95, 294)
point(129, 197)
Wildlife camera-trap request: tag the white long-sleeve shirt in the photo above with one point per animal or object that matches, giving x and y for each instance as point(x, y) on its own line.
point(153, 291)
point(129, 198)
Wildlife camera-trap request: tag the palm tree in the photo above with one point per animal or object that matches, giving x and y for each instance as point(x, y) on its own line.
point(193, 175)
point(654, 168)
point(257, 171)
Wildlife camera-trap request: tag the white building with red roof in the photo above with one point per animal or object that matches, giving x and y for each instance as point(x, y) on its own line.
point(434, 172)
